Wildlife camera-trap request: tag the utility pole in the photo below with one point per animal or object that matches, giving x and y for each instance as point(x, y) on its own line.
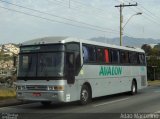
point(121, 6)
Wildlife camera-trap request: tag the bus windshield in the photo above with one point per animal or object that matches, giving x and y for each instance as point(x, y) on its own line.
point(41, 64)
point(50, 64)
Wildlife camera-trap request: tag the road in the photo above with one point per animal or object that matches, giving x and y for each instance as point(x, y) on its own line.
point(146, 101)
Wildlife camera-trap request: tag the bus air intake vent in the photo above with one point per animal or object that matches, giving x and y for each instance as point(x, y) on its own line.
point(36, 87)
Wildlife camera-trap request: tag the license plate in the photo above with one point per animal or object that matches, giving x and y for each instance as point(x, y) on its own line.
point(36, 94)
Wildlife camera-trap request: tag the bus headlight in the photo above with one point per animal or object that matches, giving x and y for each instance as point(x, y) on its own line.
point(56, 88)
point(20, 87)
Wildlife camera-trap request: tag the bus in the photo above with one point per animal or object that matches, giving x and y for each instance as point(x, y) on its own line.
point(66, 69)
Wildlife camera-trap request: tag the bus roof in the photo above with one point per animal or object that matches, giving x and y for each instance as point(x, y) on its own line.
point(59, 39)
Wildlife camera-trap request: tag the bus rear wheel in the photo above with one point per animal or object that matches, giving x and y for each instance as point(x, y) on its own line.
point(133, 88)
point(85, 96)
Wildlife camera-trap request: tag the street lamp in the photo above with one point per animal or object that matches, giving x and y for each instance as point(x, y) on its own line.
point(138, 13)
point(122, 27)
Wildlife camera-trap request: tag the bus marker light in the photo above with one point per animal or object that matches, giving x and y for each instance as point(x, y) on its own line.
point(59, 88)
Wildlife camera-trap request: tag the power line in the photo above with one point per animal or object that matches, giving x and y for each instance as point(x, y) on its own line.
point(82, 6)
point(149, 15)
point(93, 7)
point(71, 6)
point(148, 10)
point(85, 5)
point(56, 16)
point(146, 16)
point(51, 20)
point(150, 18)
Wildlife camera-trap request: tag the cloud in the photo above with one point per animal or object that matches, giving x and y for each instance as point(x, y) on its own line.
point(99, 13)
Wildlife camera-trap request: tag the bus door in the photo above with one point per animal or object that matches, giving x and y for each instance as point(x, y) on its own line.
point(70, 67)
point(73, 62)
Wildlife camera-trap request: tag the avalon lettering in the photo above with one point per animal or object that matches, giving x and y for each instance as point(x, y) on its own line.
point(110, 71)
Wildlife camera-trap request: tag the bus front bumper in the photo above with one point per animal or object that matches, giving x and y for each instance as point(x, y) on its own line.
point(54, 96)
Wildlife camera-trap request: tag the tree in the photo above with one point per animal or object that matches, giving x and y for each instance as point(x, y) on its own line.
point(147, 48)
point(153, 61)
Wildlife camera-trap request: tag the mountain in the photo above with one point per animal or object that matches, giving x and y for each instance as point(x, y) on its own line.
point(127, 41)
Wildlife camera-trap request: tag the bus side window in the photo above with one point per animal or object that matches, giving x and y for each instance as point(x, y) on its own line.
point(89, 54)
point(124, 58)
point(133, 58)
point(70, 60)
point(106, 55)
point(136, 58)
point(73, 52)
point(127, 57)
point(142, 59)
point(100, 55)
point(85, 54)
point(114, 56)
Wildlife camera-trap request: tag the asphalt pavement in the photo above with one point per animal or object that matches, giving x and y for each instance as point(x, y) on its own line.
point(147, 101)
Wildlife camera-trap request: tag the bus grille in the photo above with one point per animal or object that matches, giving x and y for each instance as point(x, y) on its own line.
point(143, 80)
point(36, 87)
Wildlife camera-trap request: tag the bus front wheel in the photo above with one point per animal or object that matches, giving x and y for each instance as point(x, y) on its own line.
point(133, 88)
point(85, 96)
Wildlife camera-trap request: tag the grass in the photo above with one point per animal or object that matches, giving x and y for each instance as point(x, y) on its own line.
point(7, 93)
point(155, 82)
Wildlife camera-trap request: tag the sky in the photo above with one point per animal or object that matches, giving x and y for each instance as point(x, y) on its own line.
point(22, 20)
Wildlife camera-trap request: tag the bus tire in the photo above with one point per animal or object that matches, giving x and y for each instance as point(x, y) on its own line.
point(85, 95)
point(46, 103)
point(133, 88)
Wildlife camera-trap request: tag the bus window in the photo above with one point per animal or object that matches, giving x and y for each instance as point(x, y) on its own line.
point(106, 55)
point(77, 63)
point(70, 69)
point(25, 62)
point(133, 58)
point(124, 57)
point(74, 48)
point(114, 56)
point(85, 54)
point(70, 60)
point(142, 59)
point(100, 55)
point(127, 57)
point(89, 54)
point(27, 65)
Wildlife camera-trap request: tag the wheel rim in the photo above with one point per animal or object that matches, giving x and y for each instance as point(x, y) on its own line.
point(134, 88)
point(84, 95)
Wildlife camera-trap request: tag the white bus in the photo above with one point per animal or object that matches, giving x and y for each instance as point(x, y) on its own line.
point(65, 69)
